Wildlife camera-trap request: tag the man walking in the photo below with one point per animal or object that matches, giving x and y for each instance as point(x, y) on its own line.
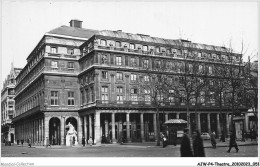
point(232, 142)
point(185, 145)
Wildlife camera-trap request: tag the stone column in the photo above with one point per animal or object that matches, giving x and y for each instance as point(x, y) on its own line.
point(42, 131)
point(128, 128)
point(113, 128)
point(198, 122)
point(90, 126)
point(46, 129)
point(80, 129)
point(227, 122)
point(218, 126)
point(85, 127)
point(97, 128)
point(142, 126)
point(209, 127)
point(166, 116)
point(155, 126)
point(177, 115)
point(246, 123)
point(62, 130)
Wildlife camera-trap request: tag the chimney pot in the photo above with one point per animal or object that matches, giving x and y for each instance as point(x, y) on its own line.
point(76, 23)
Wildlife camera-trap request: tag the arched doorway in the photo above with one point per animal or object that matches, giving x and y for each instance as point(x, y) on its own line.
point(54, 129)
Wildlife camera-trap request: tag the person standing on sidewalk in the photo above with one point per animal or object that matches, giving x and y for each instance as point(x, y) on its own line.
point(29, 142)
point(198, 148)
point(232, 142)
point(213, 139)
point(185, 145)
point(83, 141)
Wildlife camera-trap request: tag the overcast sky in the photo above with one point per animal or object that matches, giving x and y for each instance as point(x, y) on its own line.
point(215, 23)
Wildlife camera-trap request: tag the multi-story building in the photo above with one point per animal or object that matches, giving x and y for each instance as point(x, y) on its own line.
point(8, 105)
point(90, 79)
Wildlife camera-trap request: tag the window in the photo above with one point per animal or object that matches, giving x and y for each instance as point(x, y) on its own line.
point(134, 95)
point(199, 55)
point(190, 68)
point(71, 98)
point(70, 51)
point(202, 97)
point(104, 59)
point(70, 65)
point(146, 78)
point(118, 44)
point(132, 46)
point(147, 97)
point(104, 95)
point(200, 68)
point(211, 83)
point(146, 63)
point(54, 98)
point(119, 89)
point(118, 60)
point(157, 50)
point(119, 76)
point(171, 99)
point(103, 42)
point(157, 63)
point(145, 48)
point(53, 50)
point(211, 97)
point(119, 97)
point(133, 77)
point(104, 74)
point(54, 64)
point(210, 70)
point(133, 62)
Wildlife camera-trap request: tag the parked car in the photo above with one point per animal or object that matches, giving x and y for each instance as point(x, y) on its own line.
point(205, 136)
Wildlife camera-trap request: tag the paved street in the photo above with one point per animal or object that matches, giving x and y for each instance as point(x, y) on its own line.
point(129, 150)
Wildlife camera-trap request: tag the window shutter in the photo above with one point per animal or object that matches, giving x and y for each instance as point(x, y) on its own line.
point(153, 64)
point(140, 62)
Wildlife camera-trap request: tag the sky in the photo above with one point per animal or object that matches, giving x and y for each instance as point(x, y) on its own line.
point(24, 22)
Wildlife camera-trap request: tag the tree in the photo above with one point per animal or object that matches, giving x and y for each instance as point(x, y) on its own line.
point(155, 88)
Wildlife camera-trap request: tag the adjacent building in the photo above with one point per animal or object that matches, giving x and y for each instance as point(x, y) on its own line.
point(8, 106)
point(89, 78)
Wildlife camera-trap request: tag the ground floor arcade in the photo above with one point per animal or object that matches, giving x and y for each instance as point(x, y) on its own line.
point(113, 125)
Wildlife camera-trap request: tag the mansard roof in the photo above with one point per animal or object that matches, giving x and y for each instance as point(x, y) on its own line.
point(73, 31)
point(163, 41)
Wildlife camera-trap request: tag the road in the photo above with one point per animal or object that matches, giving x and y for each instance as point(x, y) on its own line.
point(120, 151)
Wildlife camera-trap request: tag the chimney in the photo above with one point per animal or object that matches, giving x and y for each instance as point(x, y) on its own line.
point(76, 23)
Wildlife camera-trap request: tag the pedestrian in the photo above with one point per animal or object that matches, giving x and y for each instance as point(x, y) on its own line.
point(243, 136)
point(213, 139)
point(164, 140)
point(232, 142)
point(18, 142)
point(83, 141)
point(47, 142)
point(222, 137)
point(73, 140)
point(185, 145)
point(29, 142)
point(22, 142)
point(90, 141)
point(198, 148)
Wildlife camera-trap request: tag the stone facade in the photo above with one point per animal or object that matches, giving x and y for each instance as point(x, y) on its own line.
point(89, 78)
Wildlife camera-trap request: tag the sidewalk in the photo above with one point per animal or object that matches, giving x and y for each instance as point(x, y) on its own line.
point(207, 144)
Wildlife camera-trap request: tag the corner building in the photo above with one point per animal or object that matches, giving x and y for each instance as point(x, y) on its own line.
point(90, 79)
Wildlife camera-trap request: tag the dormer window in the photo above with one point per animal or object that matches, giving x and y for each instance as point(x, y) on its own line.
point(70, 51)
point(132, 46)
point(118, 44)
point(145, 48)
point(53, 49)
point(103, 42)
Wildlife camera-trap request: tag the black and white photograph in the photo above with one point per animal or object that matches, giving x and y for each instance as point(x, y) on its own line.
point(129, 83)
